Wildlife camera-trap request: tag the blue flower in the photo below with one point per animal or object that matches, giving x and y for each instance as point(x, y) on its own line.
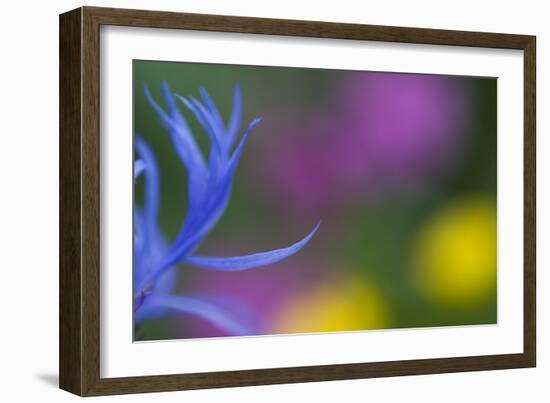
point(209, 190)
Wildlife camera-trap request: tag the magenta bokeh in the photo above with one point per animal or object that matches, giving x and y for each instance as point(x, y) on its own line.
point(382, 132)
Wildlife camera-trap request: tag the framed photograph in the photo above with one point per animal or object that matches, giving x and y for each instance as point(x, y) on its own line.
point(249, 201)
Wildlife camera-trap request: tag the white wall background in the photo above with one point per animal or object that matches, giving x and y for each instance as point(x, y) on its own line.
point(29, 199)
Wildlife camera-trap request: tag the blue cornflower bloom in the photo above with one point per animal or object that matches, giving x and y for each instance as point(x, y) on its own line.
point(209, 189)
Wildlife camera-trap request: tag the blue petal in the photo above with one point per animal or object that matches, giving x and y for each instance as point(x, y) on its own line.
point(194, 306)
point(238, 151)
point(187, 243)
point(149, 244)
point(201, 221)
point(210, 214)
point(237, 263)
point(235, 119)
point(150, 247)
point(164, 117)
point(166, 281)
point(182, 140)
point(148, 310)
point(216, 128)
point(204, 119)
point(215, 115)
point(139, 248)
point(152, 186)
point(208, 217)
point(155, 251)
point(185, 146)
point(172, 106)
point(182, 136)
point(139, 166)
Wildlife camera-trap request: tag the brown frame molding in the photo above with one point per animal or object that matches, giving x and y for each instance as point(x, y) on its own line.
point(79, 200)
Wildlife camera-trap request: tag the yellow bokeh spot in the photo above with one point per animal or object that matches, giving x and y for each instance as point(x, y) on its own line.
point(333, 306)
point(455, 254)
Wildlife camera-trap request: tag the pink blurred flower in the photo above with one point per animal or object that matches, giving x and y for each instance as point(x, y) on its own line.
point(383, 132)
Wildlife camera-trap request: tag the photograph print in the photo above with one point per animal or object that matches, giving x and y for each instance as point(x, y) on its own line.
point(284, 200)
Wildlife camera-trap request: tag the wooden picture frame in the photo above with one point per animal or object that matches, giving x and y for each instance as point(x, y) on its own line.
point(79, 346)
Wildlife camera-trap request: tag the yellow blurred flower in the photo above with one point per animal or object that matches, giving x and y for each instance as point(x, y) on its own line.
point(455, 254)
point(332, 306)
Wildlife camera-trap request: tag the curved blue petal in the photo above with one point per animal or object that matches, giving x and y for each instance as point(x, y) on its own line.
point(238, 151)
point(182, 136)
point(235, 119)
point(206, 218)
point(139, 248)
point(148, 310)
point(210, 214)
point(182, 140)
point(215, 116)
point(200, 221)
point(202, 308)
point(152, 186)
point(149, 244)
point(139, 166)
point(237, 263)
point(217, 130)
point(205, 120)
